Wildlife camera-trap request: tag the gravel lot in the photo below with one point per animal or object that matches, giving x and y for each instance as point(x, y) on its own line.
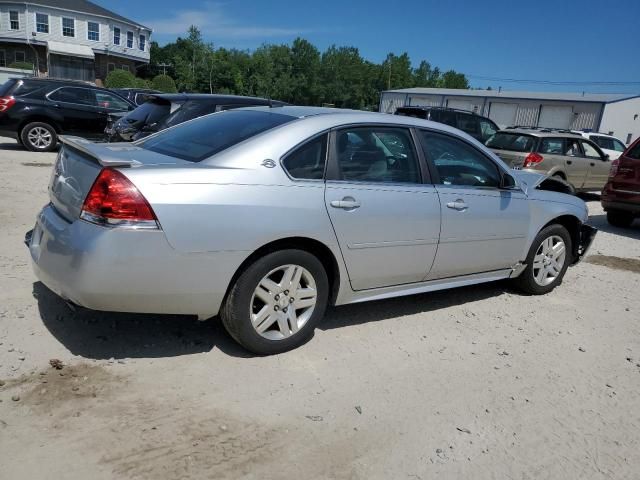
point(477, 382)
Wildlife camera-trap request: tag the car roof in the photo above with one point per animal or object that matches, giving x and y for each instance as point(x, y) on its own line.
point(541, 132)
point(211, 97)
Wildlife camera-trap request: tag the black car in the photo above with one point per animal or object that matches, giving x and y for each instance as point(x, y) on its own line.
point(135, 95)
point(35, 111)
point(479, 127)
point(166, 110)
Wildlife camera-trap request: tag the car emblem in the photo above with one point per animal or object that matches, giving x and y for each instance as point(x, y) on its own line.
point(268, 163)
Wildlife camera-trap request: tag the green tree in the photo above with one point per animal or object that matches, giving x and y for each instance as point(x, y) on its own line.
point(164, 83)
point(120, 79)
point(453, 79)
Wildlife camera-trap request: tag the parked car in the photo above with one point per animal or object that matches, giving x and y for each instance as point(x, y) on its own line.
point(621, 195)
point(479, 127)
point(136, 96)
point(36, 111)
point(558, 153)
point(609, 144)
point(166, 110)
point(267, 215)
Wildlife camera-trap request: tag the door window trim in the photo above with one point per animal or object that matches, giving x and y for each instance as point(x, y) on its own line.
point(332, 169)
point(436, 176)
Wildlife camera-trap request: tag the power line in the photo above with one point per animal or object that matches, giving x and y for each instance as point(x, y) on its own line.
point(551, 82)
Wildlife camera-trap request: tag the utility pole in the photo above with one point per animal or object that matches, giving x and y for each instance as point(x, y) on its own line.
point(164, 67)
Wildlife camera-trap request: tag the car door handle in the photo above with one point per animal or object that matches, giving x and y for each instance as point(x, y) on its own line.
point(346, 203)
point(458, 205)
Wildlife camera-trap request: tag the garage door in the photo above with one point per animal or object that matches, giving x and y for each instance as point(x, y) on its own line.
point(460, 104)
point(553, 116)
point(504, 114)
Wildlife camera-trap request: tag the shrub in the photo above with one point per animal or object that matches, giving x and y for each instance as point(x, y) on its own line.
point(142, 83)
point(22, 65)
point(164, 83)
point(120, 79)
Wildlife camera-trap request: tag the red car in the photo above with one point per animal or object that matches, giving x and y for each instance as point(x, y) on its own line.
point(621, 195)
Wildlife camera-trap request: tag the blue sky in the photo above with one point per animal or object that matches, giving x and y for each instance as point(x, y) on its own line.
point(566, 41)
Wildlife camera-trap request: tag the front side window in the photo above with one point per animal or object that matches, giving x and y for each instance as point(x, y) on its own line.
point(635, 152)
point(554, 146)
point(110, 101)
point(207, 136)
point(116, 36)
point(14, 20)
point(42, 23)
point(377, 154)
point(68, 27)
point(129, 39)
point(618, 146)
point(458, 163)
point(590, 151)
point(142, 43)
point(75, 95)
point(307, 162)
point(93, 31)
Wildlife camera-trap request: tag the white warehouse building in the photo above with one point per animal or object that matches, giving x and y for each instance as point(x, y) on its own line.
point(615, 114)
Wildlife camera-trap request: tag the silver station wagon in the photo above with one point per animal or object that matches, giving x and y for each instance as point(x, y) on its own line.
point(264, 216)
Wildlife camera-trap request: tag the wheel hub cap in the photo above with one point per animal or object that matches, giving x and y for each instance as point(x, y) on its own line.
point(549, 260)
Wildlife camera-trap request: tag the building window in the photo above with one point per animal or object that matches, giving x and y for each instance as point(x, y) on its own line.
point(42, 23)
point(124, 67)
point(116, 36)
point(68, 27)
point(111, 67)
point(19, 56)
point(142, 42)
point(3, 59)
point(14, 20)
point(129, 39)
point(93, 31)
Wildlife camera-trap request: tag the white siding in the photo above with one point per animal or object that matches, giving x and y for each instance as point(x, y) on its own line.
point(390, 101)
point(425, 100)
point(622, 118)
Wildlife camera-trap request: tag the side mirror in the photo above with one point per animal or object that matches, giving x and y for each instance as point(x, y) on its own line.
point(606, 157)
point(508, 182)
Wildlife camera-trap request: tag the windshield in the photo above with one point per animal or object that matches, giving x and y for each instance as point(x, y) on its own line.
point(194, 141)
point(514, 142)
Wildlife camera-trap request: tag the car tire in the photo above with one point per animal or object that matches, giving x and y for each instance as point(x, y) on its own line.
point(39, 137)
point(545, 267)
point(257, 311)
point(618, 218)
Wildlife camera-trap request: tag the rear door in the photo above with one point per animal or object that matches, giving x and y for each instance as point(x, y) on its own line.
point(484, 227)
point(599, 166)
point(79, 110)
point(386, 219)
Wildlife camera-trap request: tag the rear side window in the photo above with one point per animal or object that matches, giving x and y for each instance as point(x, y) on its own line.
point(514, 142)
point(448, 118)
point(6, 87)
point(203, 138)
point(412, 112)
point(602, 142)
point(78, 96)
point(468, 124)
point(554, 146)
point(307, 162)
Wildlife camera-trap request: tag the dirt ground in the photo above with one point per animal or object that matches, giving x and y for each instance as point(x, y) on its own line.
point(478, 382)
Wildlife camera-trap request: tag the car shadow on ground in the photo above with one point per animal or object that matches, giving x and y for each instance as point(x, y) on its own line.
point(12, 146)
point(106, 335)
point(600, 222)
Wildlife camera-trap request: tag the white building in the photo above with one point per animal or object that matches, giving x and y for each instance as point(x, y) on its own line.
point(615, 114)
point(74, 39)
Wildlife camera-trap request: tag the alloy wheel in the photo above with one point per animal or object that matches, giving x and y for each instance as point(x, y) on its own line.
point(40, 138)
point(283, 302)
point(549, 260)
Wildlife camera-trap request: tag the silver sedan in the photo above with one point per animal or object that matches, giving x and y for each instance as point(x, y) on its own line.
point(264, 216)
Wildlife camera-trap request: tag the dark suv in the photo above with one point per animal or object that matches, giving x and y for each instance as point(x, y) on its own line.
point(479, 127)
point(166, 110)
point(35, 111)
point(621, 195)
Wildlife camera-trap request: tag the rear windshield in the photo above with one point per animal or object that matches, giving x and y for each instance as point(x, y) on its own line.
point(6, 87)
point(149, 112)
point(206, 136)
point(514, 142)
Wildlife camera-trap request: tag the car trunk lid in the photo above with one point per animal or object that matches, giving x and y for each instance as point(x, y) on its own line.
point(80, 161)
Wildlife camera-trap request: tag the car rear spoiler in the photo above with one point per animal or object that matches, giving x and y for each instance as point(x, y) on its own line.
point(106, 154)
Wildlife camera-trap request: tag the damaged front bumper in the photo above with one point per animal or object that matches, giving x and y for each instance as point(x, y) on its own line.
point(585, 238)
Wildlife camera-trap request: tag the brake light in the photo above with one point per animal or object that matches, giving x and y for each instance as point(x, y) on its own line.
point(614, 168)
point(532, 159)
point(114, 201)
point(6, 103)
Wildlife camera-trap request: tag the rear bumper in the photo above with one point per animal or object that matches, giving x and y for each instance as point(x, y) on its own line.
point(585, 239)
point(623, 206)
point(123, 270)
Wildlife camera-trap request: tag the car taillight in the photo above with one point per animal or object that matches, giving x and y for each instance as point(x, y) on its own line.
point(614, 168)
point(6, 103)
point(114, 201)
point(532, 159)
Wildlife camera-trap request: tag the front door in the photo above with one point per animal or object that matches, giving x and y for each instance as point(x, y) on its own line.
point(484, 227)
point(599, 166)
point(386, 219)
point(575, 163)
